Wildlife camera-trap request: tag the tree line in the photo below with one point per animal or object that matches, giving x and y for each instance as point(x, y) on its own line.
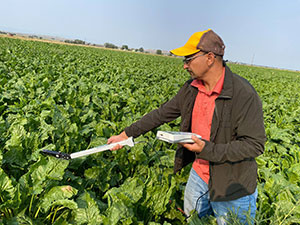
point(126, 48)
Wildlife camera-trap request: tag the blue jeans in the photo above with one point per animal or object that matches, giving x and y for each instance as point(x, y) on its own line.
point(196, 187)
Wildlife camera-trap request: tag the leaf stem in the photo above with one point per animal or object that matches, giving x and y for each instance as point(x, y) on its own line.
point(30, 204)
point(290, 212)
point(56, 210)
point(37, 212)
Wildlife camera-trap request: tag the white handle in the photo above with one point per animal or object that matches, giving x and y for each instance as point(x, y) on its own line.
point(129, 142)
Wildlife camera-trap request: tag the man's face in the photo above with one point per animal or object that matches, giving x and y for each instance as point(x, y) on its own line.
point(196, 64)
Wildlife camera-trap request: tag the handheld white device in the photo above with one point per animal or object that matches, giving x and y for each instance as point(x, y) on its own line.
point(176, 137)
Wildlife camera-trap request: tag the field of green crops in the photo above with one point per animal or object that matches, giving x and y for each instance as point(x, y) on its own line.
point(70, 98)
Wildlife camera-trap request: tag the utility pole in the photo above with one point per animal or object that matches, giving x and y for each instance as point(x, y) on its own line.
point(252, 59)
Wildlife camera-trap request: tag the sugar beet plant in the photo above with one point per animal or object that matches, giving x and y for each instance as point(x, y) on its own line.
point(69, 98)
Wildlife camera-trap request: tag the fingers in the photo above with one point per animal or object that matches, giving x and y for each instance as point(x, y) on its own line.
point(114, 139)
point(194, 147)
point(117, 147)
point(111, 140)
point(186, 145)
point(117, 138)
point(196, 140)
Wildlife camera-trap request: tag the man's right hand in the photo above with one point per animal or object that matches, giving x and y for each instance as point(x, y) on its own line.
point(117, 138)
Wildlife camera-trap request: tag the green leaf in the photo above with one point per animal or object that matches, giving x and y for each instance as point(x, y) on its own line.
point(294, 173)
point(21, 218)
point(41, 172)
point(159, 189)
point(129, 192)
point(7, 189)
point(119, 213)
point(87, 212)
point(59, 196)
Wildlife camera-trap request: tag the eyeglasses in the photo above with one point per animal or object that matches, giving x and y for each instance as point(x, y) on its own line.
point(189, 59)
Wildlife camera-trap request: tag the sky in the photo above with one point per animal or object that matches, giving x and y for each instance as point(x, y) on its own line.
point(258, 32)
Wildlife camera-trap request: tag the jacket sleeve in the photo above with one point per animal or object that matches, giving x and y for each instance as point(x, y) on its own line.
point(167, 112)
point(250, 135)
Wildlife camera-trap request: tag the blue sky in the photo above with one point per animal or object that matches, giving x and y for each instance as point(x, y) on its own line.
point(262, 32)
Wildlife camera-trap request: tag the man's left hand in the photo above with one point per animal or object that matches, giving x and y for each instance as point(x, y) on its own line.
point(194, 147)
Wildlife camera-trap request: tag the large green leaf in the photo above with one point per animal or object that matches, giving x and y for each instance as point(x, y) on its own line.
point(159, 188)
point(129, 192)
point(41, 172)
point(87, 212)
point(119, 213)
point(294, 173)
point(7, 190)
point(59, 196)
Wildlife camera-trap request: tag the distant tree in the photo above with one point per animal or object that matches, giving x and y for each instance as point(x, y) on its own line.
point(141, 49)
point(77, 41)
point(33, 36)
point(124, 47)
point(110, 45)
point(158, 52)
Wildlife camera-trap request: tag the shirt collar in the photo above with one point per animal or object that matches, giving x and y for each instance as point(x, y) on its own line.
point(217, 89)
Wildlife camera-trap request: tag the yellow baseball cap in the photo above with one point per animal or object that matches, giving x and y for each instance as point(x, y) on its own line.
point(206, 41)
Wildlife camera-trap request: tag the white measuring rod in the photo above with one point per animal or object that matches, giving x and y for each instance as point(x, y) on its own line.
point(129, 142)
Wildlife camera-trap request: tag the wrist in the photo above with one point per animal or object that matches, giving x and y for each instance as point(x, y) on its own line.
point(124, 135)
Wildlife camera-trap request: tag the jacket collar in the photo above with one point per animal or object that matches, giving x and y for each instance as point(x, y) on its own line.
point(227, 91)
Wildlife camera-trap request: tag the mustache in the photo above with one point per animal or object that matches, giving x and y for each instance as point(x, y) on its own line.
point(190, 72)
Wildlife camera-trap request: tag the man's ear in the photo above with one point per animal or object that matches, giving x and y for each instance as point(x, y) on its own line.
point(211, 58)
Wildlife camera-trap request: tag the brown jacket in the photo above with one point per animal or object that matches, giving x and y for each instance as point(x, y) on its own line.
point(237, 135)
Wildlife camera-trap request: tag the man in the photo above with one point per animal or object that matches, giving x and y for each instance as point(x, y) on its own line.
point(226, 111)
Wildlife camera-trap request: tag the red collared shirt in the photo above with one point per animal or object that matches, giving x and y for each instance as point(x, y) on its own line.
point(202, 118)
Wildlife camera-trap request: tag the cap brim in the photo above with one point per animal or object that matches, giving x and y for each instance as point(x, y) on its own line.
point(184, 51)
